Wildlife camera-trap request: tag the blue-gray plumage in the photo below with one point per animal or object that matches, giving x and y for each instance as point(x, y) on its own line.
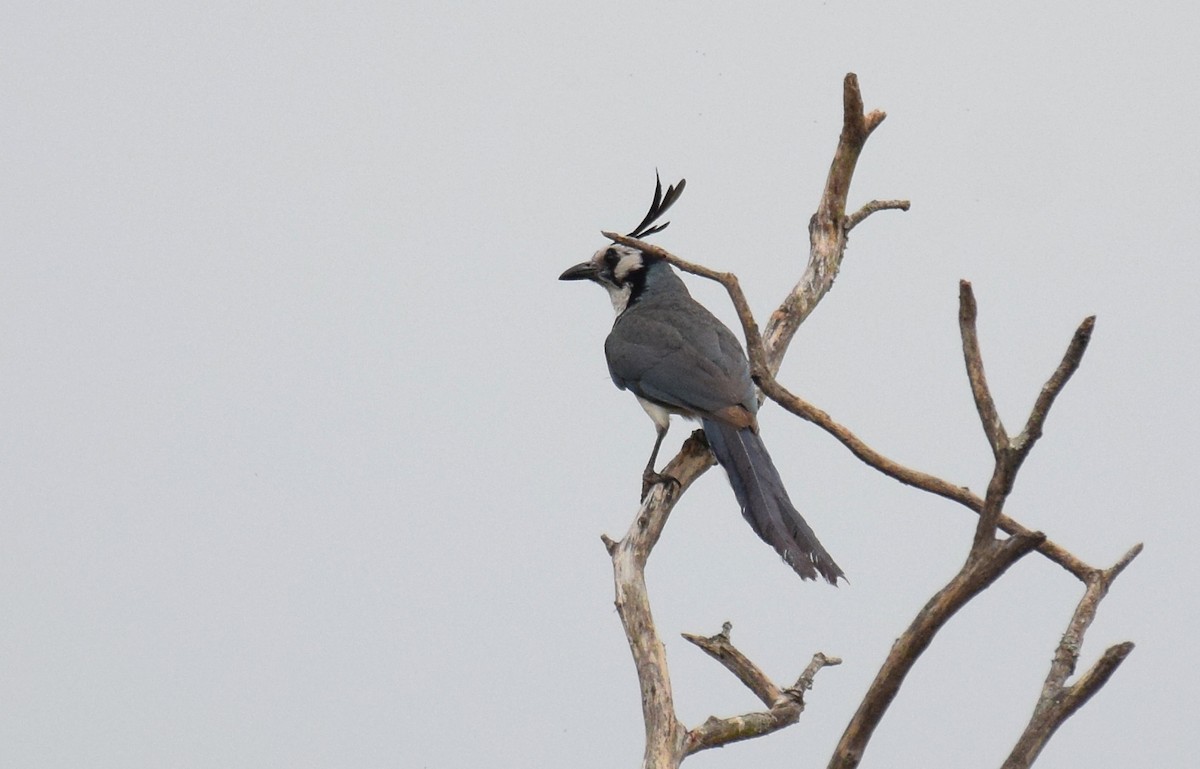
point(677, 358)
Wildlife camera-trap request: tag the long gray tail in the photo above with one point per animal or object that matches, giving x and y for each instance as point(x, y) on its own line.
point(765, 504)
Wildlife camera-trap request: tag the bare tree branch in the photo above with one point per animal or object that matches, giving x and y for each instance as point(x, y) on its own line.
point(785, 705)
point(827, 228)
point(1003, 472)
point(1058, 700)
point(665, 735)
point(976, 575)
point(992, 426)
point(915, 478)
point(719, 732)
point(854, 219)
point(1009, 455)
point(667, 741)
point(1070, 362)
point(721, 648)
point(805, 681)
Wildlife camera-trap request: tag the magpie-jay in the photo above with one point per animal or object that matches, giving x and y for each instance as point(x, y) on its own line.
point(677, 358)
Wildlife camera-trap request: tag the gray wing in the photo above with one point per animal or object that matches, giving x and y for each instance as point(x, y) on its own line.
point(680, 356)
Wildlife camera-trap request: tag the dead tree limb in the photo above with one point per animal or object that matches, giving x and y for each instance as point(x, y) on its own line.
point(979, 572)
point(989, 556)
point(1058, 699)
point(668, 742)
point(828, 227)
point(986, 561)
point(785, 705)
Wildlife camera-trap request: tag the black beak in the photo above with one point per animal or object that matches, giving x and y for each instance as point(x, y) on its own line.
point(585, 271)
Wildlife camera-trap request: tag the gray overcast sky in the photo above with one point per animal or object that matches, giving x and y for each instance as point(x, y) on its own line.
point(305, 453)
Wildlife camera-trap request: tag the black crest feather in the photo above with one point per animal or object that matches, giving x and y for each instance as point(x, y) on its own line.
point(658, 207)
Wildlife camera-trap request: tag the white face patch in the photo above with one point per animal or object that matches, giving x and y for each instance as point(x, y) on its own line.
point(614, 276)
point(631, 260)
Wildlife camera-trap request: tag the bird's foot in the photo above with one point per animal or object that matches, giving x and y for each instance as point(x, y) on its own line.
point(651, 479)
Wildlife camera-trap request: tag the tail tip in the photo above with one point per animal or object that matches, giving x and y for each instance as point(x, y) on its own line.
point(813, 566)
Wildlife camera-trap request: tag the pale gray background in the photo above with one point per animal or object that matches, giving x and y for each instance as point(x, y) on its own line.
point(305, 454)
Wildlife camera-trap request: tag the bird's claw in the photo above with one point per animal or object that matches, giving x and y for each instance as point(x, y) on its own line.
point(650, 479)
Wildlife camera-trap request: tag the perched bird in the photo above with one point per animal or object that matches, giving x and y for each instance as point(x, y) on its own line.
point(677, 358)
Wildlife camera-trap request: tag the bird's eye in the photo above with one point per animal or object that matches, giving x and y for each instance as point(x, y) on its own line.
point(611, 257)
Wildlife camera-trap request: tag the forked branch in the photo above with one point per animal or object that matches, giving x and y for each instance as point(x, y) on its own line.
point(974, 577)
point(987, 558)
point(667, 741)
point(1009, 455)
point(785, 705)
point(1058, 699)
point(829, 226)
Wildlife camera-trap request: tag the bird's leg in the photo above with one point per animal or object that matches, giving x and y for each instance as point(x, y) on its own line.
point(649, 476)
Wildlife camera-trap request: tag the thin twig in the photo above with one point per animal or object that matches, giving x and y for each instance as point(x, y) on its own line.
point(854, 219)
point(1003, 472)
point(721, 648)
point(1041, 408)
point(992, 426)
point(805, 681)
